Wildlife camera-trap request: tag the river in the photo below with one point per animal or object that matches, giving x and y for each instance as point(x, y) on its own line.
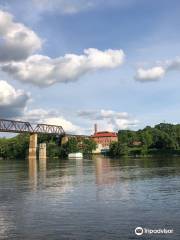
point(89, 199)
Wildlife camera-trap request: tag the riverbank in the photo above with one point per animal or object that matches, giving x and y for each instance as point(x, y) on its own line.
point(141, 152)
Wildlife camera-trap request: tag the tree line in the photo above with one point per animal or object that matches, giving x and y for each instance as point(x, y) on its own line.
point(18, 146)
point(162, 139)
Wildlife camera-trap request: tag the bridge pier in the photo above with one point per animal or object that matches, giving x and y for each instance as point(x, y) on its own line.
point(64, 140)
point(42, 151)
point(32, 146)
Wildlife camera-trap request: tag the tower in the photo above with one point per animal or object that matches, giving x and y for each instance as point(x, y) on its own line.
point(95, 128)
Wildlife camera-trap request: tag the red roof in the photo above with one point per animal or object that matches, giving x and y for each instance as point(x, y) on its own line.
point(105, 134)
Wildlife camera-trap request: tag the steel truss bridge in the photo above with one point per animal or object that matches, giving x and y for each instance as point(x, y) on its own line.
point(26, 127)
point(35, 129)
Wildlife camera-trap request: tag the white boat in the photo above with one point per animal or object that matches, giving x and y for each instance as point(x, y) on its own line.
point(77, 155)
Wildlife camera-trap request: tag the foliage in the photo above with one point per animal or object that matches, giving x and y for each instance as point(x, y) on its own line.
point(70, 147)
point(88, 145)
point(84, 145)
point(17, 147)
point(118, 149)
point(161, 138)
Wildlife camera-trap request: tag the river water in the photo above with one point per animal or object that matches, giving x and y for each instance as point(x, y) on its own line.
point(90, 199)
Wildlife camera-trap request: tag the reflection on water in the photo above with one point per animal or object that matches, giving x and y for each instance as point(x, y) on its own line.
point(42, 169)
point(100, 198)
point(79, 167)
point(104, 172)
point(6, 223)
point(33, 173)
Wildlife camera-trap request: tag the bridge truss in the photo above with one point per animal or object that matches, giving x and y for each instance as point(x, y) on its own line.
point(26, 127)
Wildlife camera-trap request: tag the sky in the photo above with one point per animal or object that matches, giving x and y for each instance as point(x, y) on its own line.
point(75, 63)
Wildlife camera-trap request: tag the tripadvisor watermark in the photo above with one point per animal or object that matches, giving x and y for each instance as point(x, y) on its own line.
point(140, 231)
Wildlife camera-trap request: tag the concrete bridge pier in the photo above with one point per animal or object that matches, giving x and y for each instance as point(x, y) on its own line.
point(64, 140)
point(42, 151)
point(32, 146)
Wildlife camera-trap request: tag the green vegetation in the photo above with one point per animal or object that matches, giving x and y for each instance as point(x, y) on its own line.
point(162, 139)
point(86, 146)
point(17, 147)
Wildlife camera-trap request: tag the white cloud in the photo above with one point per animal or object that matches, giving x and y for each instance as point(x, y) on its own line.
point(151, 74)
point(33, 10)
point(38, 115)
point(125, 123)
point(173, 65)
point(17, 41)
point(53, 117)
point(43, 71)
point(102, 114)
point(157, 72)
point(68, 126)
point(12, 101)
point(18, 44)
point(108, 119)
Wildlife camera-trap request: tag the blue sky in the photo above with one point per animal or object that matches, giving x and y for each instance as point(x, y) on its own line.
point(140, 89)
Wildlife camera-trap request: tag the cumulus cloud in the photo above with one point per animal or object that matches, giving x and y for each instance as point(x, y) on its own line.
point(12, 101)
point(68, 126)
point(17, 41)
point(38, 115)
point(44, 71)
point(18, 45)
point(102, 114)
point(173, 65)
point(108, 119)
point(152, 74)
point(53, 117)
point(157, 72)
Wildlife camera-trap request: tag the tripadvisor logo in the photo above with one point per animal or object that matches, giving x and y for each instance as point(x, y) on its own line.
point(140, 231)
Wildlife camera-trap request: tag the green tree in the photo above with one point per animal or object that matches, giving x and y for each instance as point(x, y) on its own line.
point(70, 147)
point(118, 149)
point(88, 145)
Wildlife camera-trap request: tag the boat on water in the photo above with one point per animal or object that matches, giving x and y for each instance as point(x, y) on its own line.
point(77, 155)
